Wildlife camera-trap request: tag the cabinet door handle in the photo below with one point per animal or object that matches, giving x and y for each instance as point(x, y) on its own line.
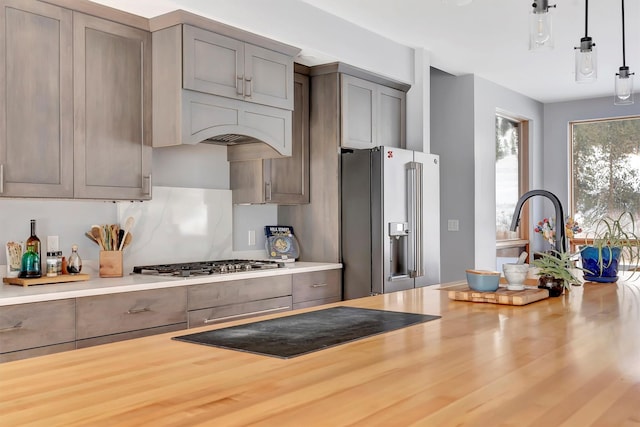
point(319, 285)
point(248, 87)
point(15, 327)
point(267, 190)
point(1, 178)
point(138, 310)
point(239, 84)
point(253, 313)
point(146, 185)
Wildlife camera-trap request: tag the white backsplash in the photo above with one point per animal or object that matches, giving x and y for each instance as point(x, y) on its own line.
point(179, 225)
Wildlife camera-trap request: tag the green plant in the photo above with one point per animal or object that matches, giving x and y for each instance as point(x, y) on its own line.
point(619, 233)
point(558, 265)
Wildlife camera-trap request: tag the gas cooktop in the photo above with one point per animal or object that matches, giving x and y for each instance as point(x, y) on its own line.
point(186, 269)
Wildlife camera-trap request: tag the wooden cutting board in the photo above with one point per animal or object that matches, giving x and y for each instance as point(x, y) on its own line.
point(46, 280)
point(501, 296)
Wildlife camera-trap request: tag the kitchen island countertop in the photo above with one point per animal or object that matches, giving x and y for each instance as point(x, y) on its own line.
point(13, 294)
point(567, 361)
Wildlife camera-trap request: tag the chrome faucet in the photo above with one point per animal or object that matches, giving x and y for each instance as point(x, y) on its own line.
point(561, 244)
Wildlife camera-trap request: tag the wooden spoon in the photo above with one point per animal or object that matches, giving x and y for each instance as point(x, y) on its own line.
point(127, 240)
point(127, 227)
point(95, 232)
point(89, 235)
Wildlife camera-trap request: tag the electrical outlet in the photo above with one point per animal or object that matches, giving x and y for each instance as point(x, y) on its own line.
point(453, 225)
point(252, 237)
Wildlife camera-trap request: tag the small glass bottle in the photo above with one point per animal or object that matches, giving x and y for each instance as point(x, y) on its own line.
point(52, 264)
point(74, 265)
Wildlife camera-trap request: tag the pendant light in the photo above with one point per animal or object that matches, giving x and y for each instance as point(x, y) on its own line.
point(624, 79)
point(586, 57)
point(540, 29)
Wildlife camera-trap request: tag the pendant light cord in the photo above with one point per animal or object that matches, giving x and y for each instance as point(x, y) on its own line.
point(623, 55)
point(586, 18)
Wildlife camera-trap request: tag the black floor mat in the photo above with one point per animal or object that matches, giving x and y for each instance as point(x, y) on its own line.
point(295, 335)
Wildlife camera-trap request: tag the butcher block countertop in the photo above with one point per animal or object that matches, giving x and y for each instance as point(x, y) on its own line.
point(567, 361)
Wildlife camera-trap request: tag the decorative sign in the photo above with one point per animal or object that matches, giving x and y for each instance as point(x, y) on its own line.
point(281, 244)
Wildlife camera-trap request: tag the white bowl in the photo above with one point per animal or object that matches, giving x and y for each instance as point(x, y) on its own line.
point(515, 275)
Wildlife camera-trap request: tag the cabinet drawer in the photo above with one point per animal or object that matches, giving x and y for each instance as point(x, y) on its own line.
point(37, 324)
point(238, 291)
point(105, 339)
point(227, 313)
point(129, 311)
point(38, 351)
point(317, 285)
point(315, 302)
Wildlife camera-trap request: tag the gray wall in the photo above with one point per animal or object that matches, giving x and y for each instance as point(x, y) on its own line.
point(463, 134)
point(452, 138)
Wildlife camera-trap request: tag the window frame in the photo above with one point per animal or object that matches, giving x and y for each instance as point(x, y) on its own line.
point(523, 179)
point(576, 242)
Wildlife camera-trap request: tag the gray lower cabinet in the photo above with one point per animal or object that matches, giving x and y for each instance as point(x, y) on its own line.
point(34, 329)
point(282, 180)
point(316, 288)
point(224, 301)
point(75, 105)
point(114, 317)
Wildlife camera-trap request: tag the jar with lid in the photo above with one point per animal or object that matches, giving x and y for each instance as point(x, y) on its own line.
point(52, 264)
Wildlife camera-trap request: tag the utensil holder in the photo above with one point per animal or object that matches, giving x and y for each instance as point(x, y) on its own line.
point(110, 263)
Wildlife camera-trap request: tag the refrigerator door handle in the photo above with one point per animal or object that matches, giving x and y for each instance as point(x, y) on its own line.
point(415, 202)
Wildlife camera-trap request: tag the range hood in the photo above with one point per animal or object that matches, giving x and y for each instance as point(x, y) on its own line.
point(202, 95)
point(211, 119)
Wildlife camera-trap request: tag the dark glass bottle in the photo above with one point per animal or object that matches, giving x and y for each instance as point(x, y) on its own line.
point(74, 265)
point(31, 267)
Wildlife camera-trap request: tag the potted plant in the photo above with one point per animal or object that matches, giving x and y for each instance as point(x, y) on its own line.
point(614, 242)
point(556, 271)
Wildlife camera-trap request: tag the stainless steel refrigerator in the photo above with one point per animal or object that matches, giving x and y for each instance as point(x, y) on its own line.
point(390, 220)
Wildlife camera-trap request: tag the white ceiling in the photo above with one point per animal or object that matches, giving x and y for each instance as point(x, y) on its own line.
point(488, 38)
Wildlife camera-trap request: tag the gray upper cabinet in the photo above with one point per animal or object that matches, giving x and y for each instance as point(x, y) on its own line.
point(346, 104)
point(75, 98)
point(36, 104)
point(282, 180)
point(228, 67)
point(373, 114)
point(112, 93)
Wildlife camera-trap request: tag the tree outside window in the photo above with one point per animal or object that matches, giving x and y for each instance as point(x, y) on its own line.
point(605, 169)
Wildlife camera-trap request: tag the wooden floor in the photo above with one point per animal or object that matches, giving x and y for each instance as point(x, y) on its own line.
point(568, 361)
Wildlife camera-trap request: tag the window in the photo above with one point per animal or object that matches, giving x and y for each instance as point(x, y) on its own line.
point(511, 181)
point(510, 174)
point(605, 162)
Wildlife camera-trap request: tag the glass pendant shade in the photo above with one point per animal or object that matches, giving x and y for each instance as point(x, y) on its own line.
point(586, 61)
point(540, 30)
point(624, 87)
